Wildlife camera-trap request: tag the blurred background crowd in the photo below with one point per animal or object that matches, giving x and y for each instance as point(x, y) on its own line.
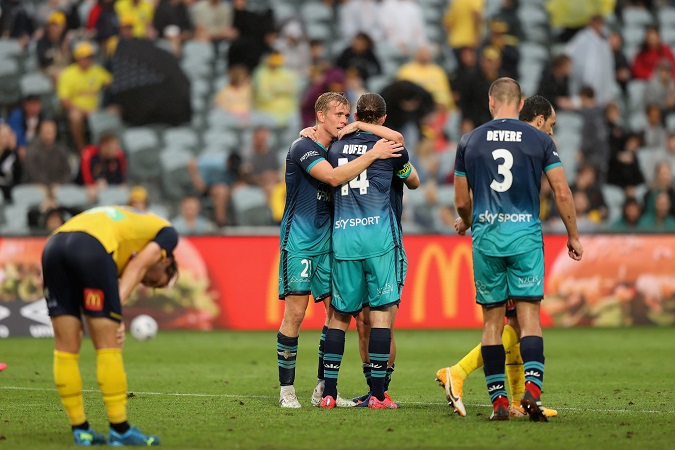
point(186, 108)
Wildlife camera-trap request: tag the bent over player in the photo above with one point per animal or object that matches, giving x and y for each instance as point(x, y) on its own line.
point(501, 163)
point(82, 262)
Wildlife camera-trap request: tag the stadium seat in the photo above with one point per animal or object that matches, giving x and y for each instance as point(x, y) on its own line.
point(531, 51)
point(648, 158)
point(668, 35)
point(181, 137)
point(10, 48)
point(16, 220)
point(637, 121)
point(568, 122)
point(318, 30)
point(250, 207)
point(142, 147)
point(198, 51)
point(636, 16)
point(283, 11)
point(217, 118)
point(28, 194)
point(36, 84)
point(71, 195)
point(200, 88)
point(666, 18)
point(445, 194)
point(104, 121)
point(632, 35)
point(316, 13)
point(224, 140)
point(670, 122)
point(614, 198)
point(113, 195)
point(10, 90)
point(636, 94)
point(176, 180)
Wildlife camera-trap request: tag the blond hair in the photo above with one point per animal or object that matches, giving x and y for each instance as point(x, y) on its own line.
point(324, 101)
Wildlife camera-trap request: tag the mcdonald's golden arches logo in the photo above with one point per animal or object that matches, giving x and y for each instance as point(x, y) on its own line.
point(93, 299)
point(448, 274)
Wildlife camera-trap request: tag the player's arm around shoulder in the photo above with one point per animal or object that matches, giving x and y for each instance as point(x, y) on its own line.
point(565, 204)
point(377, 130)
point(336, 176)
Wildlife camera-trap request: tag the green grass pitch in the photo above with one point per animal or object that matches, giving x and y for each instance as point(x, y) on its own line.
point(612, 387)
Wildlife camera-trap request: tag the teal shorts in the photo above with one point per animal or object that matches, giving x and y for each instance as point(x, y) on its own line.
point(304, 275)
point(517, 277)
point(375, 282)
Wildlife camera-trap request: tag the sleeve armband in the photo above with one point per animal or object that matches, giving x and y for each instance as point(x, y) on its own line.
point(405, 171)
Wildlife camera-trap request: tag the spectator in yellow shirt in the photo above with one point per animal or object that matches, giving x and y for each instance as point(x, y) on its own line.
point(142, 11)
point(79, 89)
point(464, 23)
point(430, 76)
point(275, 89)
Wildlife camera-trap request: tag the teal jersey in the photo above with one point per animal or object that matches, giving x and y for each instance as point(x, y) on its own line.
point(365, 222)
point(503, 161)
point(306, 223)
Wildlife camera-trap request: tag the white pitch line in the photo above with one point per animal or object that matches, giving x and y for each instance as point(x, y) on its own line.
point(182, 394)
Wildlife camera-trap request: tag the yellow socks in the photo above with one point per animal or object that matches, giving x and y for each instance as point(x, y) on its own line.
point(69, 384)
point(474, 359)
point(113, 383)
point(509, 337)
point(515, 374)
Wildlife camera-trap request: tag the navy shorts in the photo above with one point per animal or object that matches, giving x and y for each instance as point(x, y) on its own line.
point(80, 277)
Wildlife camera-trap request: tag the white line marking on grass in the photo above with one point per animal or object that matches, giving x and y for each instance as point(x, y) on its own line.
point(478, 405)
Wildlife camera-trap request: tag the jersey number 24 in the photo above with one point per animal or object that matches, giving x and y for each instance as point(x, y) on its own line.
point(361, 182)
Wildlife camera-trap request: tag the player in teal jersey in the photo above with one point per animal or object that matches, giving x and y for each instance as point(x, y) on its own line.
point(363, 318)
point(367, 249)
point(305, 243)
point(538, 112)
point(497, 180)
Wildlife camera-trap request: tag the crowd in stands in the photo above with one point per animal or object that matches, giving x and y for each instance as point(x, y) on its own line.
point(187, 107)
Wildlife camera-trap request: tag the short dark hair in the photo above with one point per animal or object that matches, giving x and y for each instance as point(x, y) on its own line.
point(371, 107)
point(535, 106)
point(587, 91)
point(505, 90)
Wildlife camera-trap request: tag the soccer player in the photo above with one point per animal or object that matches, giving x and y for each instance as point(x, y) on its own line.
point(368, 261)
point(305, 260)
point(362, 319)
point(81, 263)
point(538, 112)
point(500, 163)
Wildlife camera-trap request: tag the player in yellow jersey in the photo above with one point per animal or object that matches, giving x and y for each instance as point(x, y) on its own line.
point(538, 112)
point(91, 265)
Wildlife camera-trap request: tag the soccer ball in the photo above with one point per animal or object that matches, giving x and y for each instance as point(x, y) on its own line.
point(143, 327)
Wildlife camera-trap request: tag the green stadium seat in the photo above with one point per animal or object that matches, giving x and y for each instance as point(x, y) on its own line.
point(113, 195)
point(250, 207)
point(176, 180)
point(142, 147)
point(71, 195)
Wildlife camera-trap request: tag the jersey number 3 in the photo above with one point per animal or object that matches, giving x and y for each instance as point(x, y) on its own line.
point(361, 182)
point(503, 169)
